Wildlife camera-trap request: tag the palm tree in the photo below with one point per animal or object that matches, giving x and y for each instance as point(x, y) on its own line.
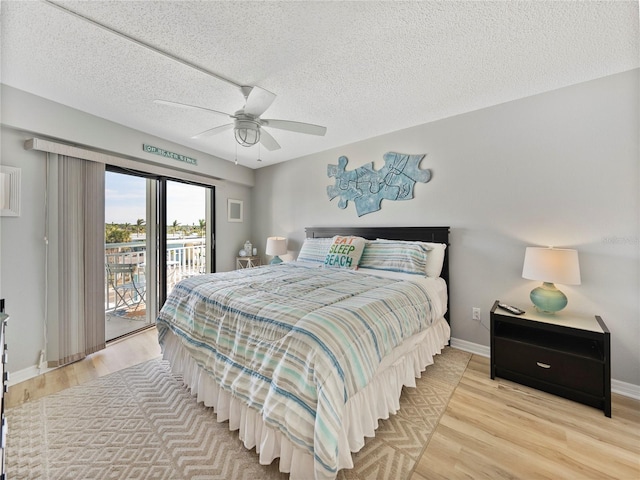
point(174, 225)
point(139, 223)
point(203, 224)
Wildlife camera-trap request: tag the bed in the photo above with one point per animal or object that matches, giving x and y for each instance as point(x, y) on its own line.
point(304, 360)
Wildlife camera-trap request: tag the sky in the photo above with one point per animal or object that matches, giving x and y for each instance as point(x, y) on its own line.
point(125, 199)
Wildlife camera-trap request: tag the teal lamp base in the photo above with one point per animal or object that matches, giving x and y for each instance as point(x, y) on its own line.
point(275, 260)
point(548, 299)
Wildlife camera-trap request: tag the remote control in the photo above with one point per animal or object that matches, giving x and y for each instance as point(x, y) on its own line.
point(512, 309)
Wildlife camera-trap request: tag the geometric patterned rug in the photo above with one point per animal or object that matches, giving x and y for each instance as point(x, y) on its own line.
point(142, 423)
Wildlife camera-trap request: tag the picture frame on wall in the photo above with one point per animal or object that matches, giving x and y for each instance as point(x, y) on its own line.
point(234, 210)
point(9, 191)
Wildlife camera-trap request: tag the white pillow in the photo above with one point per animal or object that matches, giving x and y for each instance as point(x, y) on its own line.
point(435, 259)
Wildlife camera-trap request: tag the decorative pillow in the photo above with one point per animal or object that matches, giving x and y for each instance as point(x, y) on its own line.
point(314, 250)
point(405, 257)
point(345, 252)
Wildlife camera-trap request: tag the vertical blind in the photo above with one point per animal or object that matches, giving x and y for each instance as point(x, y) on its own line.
point(75, 258)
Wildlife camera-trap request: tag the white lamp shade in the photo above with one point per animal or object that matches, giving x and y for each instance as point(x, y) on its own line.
point(276, 246)
point(552, 265)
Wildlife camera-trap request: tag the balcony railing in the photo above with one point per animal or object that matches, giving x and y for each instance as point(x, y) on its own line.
point(185, 258)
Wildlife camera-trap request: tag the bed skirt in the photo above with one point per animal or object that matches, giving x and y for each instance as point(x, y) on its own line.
point(376, 401)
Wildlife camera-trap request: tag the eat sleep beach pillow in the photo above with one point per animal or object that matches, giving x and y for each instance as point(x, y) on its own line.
point(345, 252)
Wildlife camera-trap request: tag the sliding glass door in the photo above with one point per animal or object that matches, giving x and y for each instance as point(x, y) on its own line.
point(187, 244)
point(126, 246)
point(158, 231)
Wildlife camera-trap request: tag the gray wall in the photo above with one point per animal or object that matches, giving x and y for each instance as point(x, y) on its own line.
point(22, 246)
point(560, 168)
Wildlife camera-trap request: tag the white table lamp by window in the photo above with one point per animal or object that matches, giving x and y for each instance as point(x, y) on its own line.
point(276, 246)
point(550, 265)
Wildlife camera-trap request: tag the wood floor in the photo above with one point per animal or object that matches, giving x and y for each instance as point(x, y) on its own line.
point(120, 354)
point(494, 429)
point(491, 429)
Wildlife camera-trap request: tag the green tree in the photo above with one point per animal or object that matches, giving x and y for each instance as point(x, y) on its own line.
point(203, 224)
point(139, 223)
point(175, 225)
point(115, 234)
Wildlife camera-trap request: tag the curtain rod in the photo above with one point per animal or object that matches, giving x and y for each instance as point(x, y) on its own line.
point(109, 159)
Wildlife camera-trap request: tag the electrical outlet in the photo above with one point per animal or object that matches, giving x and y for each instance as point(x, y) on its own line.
point(476, 314)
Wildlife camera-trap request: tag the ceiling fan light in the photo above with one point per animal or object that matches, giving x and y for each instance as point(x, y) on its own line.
point(248, 135)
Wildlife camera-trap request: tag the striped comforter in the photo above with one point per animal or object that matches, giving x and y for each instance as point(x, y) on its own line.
point(295, 342)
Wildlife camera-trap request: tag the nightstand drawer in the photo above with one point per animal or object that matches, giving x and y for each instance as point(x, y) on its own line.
point(575, 372)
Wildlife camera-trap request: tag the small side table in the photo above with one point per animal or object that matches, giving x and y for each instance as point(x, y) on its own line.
point(567, 355)
point(248, 262)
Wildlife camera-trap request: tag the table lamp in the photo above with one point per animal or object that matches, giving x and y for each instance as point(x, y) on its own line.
point(276, 246)
point(550, 265)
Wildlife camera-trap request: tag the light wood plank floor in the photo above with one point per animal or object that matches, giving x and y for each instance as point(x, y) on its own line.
point(118, 355)
point(495, 429)
point(491, 429)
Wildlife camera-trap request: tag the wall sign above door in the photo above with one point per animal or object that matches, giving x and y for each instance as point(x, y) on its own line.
point(167, 154)
point(367, 187)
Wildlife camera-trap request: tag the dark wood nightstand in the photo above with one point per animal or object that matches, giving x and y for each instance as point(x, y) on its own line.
point(564, 354)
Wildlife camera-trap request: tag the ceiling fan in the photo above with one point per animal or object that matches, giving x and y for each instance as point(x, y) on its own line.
point(247, 124)
point(248, 127)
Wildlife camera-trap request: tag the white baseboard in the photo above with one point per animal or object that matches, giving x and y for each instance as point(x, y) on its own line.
point(617, 386)
point(470, 347)
point(26, 374)
point(626, 389)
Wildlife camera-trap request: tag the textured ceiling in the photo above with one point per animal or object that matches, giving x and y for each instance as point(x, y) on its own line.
point(359, 68)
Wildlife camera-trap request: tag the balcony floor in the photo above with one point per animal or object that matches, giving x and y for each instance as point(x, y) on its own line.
point(123, 323)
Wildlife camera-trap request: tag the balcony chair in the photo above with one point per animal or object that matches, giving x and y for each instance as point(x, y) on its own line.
point(128, 284)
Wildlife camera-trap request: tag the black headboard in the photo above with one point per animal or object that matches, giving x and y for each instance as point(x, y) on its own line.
point(423, 234)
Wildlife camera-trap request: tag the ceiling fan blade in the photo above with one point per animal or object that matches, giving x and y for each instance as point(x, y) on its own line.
point(268, 141)
point(192, 107)
point(298, 127)
point(258, 101)
point(214, 131)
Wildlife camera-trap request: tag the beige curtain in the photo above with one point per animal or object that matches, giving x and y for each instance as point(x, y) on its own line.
point(75, 259)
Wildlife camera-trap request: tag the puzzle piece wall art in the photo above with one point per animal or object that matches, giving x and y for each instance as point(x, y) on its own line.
point(367, 187)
